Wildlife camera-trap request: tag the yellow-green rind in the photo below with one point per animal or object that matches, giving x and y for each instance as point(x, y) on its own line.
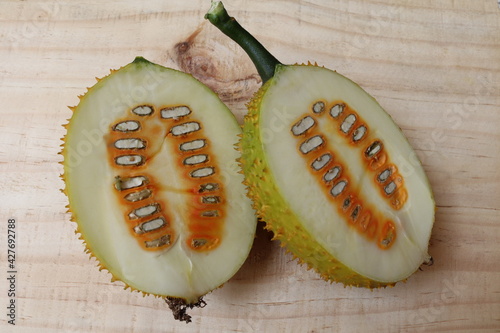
point(271, 207)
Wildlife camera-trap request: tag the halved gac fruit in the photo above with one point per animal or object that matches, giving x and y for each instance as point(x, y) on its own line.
point(330, 172)
point(153, 184)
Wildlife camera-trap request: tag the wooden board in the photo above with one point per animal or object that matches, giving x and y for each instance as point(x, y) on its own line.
point(433, 65)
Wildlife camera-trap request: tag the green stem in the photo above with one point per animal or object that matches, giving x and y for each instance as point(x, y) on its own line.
point(264, 61)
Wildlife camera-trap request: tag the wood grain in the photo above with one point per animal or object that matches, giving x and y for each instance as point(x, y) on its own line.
point(433, 65)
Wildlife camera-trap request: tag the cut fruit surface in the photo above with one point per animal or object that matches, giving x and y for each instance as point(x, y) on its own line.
point(330, 172)
point(152, 181)
point(343, 174)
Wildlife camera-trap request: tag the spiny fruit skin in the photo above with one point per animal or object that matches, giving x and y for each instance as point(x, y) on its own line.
point(196, 178)
point(272, 208)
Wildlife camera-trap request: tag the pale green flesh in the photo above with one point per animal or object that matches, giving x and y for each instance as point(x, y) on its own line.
point(289, 96)
point(177, 271)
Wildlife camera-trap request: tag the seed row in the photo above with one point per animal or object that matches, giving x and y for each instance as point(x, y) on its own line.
point(148, 223)
point(356, 131)
point(195, 157)
point(331, 172)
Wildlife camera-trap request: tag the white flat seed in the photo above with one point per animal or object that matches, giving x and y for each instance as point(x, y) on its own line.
point(196, 159)
point(144, 211)
point(185, 128)
point(213, 199)
point(175, 112)
point(128, 160)
point(192, 145)
point(373, 149)
point(318, 107)
point(384, 175)
point(338, 188)
point(331, 174)
point(138, 196)
point(303, 125)
point(150, 225)
point(163, 240)
point(321, 161)
point(336, 110)
point(128, 183)
point(143, 110)
point(347, 123)
point(209, 187)
point(153, 224)
point(389, 188)
point(130, 144)
point(359, 133)
point(202, 172)
point(311, 144)
point(127, 126)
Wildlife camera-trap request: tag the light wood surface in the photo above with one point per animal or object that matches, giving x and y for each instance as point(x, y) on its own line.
point(433, 65)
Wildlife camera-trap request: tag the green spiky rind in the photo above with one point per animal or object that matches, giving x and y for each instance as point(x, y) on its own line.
point(142, 60)
point(271, 206)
